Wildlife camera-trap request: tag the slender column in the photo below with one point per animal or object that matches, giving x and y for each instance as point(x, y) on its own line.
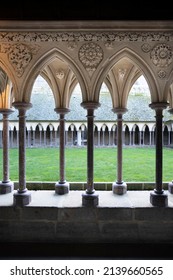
point(158, 197)
point(22, 196)
point(170, 184)
point(119, 187)
point(6, 186)
point(99, 138)
point(90, 198)
point(79, 137)
point(62, 187)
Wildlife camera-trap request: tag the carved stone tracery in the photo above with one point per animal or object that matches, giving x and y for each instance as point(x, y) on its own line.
point(90, 54)
point(109, 37)
point(162, 55)
point(19, 55)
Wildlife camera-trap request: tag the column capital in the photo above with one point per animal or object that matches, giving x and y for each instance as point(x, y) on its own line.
point(22, 105)
point(90, 105)
point(119, 110)
point(62, 110)
point(6, 111)
point(158, 105)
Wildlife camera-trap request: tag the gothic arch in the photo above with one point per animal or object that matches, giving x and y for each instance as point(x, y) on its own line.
point(137, 60)
point(10, 75)
point(168, 92)
point(42, 62)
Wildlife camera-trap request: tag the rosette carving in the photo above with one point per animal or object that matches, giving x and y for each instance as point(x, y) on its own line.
point(90, 54)
point(161, 55)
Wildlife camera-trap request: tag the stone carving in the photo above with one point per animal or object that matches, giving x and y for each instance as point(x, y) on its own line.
point(19, 55)
point(146, 47)
point(90, 54)
point(72, 45)
point(109, 45)
point(121, 73)
point(60, 74)
point(161, 74)
point(162, 55)
point(85, 36)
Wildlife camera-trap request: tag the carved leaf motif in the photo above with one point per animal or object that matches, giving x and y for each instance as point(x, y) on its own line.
point(19, 55)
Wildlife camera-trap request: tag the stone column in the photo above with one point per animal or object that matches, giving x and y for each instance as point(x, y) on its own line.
point(170, 184)
point(90, 198)
point(119, 187)
point(62, 187)
point(22, 197)
point(79, 137)
point(6, 186)
point(158, 197)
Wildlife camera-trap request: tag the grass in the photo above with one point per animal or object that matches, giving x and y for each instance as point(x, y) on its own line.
point(42, 164)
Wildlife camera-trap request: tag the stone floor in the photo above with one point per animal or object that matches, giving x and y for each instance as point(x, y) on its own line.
point(74, 199)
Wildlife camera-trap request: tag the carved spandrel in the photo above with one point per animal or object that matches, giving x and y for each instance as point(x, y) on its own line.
point(19, 55)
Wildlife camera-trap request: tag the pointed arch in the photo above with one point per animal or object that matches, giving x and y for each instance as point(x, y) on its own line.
point(41, 63)
point(139, 62)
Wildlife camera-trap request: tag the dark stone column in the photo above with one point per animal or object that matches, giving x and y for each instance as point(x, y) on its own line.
point(6, 186)
point(90, 198)
point(170, 184)
point(62, 187)
point(119, 187)
point(22, 197)
point(158, 197)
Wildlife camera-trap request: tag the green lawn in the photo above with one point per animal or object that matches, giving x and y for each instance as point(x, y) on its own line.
point(42, 164)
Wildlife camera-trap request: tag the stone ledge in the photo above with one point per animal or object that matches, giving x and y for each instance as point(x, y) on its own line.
point(56, 218)
point(105, 186)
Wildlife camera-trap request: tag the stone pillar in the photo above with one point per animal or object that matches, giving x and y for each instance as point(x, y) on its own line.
point(119, 187)
point(90, 198)
point(158, 197)
point(6, 186)
point(22, 197)
point(62, 187)
point(170, 184)
point(79, 137)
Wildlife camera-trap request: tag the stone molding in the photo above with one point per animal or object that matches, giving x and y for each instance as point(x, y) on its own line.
point(87, 36)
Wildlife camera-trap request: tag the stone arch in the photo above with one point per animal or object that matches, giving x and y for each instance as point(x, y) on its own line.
point(168, 90)
point(165, 135)
point(145, 135)
point(41, 63)
point(141, 64)
point(10, 75)
point(127, 138)
point(136, 134)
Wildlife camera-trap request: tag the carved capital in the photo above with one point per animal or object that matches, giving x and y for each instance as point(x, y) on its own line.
point(90, 105)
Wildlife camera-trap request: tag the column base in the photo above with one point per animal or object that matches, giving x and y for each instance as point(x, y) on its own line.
point(21, 198)
point(170, 187)
point(90, 200)
point(159, 200)
point(119, 188)
point(6, 187)
point(62, 188)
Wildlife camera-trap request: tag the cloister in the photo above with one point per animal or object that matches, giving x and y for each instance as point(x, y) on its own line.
point(89, 53)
